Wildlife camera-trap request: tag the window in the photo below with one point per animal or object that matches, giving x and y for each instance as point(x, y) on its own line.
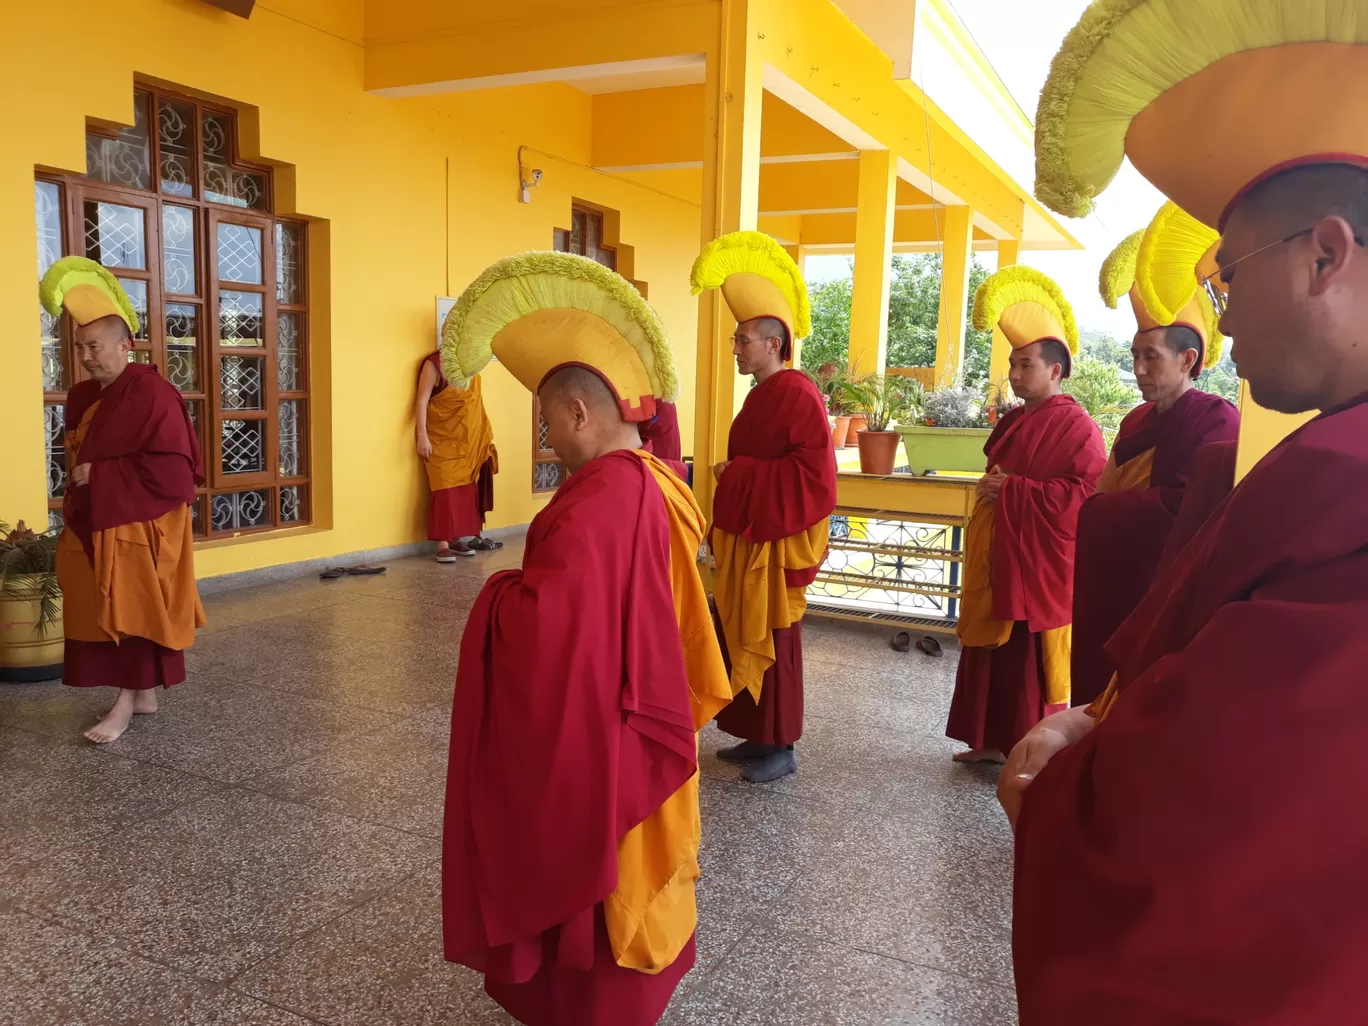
point(585, 237)
point(219, 285)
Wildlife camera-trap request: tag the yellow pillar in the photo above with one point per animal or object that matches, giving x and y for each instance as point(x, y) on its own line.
point(1261, 430)
point(873, 258)
point(733, 92)
point(1009, 254)
point(799, 254)
point(957, 255)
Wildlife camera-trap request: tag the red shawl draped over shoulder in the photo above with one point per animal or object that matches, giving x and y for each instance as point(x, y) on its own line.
point(782, 476)
point(1199, 857)
point(660, 437)
point(571, 721)
point(142, 449)
point(1121, 534)
point(1054, 454)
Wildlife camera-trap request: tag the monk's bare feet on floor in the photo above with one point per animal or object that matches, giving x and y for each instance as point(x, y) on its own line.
point(981, 755)
point(116, 721)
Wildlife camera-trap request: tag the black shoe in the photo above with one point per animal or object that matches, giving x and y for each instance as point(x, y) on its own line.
point(746, 751)
point(778, 764)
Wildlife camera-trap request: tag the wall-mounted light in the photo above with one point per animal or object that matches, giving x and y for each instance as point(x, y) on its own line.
point(528, 180)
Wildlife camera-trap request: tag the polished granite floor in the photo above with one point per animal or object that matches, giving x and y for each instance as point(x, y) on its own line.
point(264, 851)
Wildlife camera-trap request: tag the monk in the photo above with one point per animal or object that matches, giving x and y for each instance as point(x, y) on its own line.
point(125, 558)
point(1044, 458)
point(1122, 529)
point(455, 441)
point(660, 437)
point(572, 828)
point(1195, 855)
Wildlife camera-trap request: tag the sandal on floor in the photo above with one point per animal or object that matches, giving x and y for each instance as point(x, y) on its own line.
point(483, 544)
point(365, 570)
point(902, 642)
point(445, 557)
point(332, 573)
point(930, 646)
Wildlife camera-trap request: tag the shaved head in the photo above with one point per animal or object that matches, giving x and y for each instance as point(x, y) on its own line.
point(579, 383)
point(102, 348)
point(583, 418)
point(1053, 351)
point(1301, 196)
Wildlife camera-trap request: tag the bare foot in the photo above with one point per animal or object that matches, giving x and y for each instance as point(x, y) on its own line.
point(111, 728)
point(144, 703)
point(981, 755)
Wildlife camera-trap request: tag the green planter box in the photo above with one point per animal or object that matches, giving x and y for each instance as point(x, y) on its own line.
point(937, 448)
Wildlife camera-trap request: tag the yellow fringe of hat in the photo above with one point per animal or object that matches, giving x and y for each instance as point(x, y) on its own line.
point(1261, 84)
point(86, 291)
point(539, 312)
point(757, 278)
point(1175, 251)
point(1028, 306)
point(1117, 275)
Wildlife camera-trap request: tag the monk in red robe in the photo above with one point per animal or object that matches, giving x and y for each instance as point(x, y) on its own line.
point(570, 848)
point(660, 437)
point(1044, 458)
point(125, 559)
point(456, 444)
point(1122, 529)
point(1194, 853)
point(775, 493)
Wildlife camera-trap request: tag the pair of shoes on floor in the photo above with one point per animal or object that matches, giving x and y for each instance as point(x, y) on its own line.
point(452, 555)
point(364, 570)
point(764, 762)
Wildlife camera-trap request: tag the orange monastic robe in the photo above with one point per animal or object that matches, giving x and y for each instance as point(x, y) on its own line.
point(463, 461)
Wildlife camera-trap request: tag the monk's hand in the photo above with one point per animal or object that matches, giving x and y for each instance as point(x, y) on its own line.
point(424, 446)
point(990, 484)
point(720, 468)
point(80, 474)
point(1033, 753)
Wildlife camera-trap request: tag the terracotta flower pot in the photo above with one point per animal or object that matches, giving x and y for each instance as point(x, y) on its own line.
point(840, 431)
point(858, 422)
point(878, 451)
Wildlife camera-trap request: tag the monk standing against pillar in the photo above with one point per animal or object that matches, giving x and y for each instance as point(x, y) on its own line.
point(125, 559)
point(1044, 458)
point(456, 443)
point(1123, 529)
point(570, 846)
point(1194, 854)
point(775, 493)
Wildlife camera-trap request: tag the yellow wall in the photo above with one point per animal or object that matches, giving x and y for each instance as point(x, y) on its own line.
point(415, 197)
point(1260, 431)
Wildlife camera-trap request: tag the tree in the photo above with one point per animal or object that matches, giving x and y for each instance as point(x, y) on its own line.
point(830, 338)
point(1104, 349)
point(1098, 388)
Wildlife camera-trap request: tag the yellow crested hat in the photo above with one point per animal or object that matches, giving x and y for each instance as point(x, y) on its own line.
point(541, 312)
point(86, 291)
point(1028, 306)
point(1206, 97)
point(757, 278)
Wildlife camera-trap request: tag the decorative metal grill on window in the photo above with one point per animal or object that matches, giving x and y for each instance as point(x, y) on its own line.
point(219, 285)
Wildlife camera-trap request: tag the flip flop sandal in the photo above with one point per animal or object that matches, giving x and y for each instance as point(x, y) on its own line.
point(486, 544)
point(365, 570)
point(445, 557)
point(332, 574)
point(930, 646)
point(902, 642)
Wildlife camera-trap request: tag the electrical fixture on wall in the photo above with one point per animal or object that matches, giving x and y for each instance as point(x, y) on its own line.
point(528, 180)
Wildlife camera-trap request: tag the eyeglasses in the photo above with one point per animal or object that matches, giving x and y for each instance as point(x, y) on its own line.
point(1218, 296)
point(742, 340)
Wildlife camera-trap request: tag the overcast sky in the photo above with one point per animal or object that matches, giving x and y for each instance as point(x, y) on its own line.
point(1019, 39)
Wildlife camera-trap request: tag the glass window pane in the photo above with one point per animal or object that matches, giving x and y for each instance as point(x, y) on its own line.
point(47, 209)
point(115, 235)
point(546, 477)
point(560, 240)
point(594, 238)
point(223, 183)
point(176, 136)
point(241, 319)
point(182, 346)
point(289, 334)
point(125, 159)
point(577, 232)
point(197, 517)
point(238, 510)
point(289, 287)
point(178, 250)
point(56, 520)
point(244, 446)
point(240, 383)
point(292, 499)
point(55, 439)
point(290, 444)
point(139, 356)
point(239, 254)
point(137, 292)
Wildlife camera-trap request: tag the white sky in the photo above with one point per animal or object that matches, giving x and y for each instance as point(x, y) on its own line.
point(1020, 39)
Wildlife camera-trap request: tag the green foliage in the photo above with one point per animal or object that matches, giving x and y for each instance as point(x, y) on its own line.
point(28, 569)
point(883, 399)
point(1105, 349)
point(913, 312)
point(958, 407)
point(1098, 388)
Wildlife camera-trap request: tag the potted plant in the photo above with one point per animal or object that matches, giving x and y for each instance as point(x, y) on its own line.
point(998, 400)
point(882, 400)
point(831, 381)
point(30, 605)
point(951, 432)
point(854, 389)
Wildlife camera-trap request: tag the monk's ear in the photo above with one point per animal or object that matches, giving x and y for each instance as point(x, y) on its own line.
point(579, 412)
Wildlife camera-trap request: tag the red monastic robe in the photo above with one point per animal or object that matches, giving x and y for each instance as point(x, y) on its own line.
point(571, 726)
point(1122, 529)
point(779, 489)
point(660, 437)
point(125, 560)
point(1198, 858)
point(1054, 453)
